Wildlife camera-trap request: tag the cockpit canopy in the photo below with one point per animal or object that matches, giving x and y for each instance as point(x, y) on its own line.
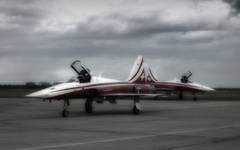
point(83, 72)
point(185, 77)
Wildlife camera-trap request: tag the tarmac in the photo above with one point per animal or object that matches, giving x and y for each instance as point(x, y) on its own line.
point(31, 124)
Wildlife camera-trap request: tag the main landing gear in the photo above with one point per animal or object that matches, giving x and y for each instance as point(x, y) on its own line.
point(137, 106)
point(65, 112)
point(89, 108)
point(194, 97)
point(88, 105)
point(66, 103)
point(180, 95)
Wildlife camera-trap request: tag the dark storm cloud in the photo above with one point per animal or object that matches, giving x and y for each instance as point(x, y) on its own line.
point(21, 15)
point(235, 4)
point(120, 26)
point(18, 20)
point(101, 35)
point(21, 12)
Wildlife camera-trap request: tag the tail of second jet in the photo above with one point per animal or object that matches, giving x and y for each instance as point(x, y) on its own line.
point(140, 73)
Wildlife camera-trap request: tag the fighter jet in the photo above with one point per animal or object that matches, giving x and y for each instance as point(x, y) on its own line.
point(141, 82)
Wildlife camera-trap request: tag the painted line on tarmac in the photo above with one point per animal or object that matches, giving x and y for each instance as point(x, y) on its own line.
point(127, 138)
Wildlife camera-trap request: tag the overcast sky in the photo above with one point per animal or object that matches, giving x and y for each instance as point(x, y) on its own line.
point(40, 38)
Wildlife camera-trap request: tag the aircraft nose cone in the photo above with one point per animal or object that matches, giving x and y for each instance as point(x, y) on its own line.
point(211, 89)
point(203, 87)
point(208, 89)
point(38, 94)
point(35, 94)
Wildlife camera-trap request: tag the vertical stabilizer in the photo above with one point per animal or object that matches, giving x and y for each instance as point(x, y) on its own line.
point(150, 76)
point(137, 69)
point(140, 73)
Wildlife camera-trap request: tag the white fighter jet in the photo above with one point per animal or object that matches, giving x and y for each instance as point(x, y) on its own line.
point(141, 82)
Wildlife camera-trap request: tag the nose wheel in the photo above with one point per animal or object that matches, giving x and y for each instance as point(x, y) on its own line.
point(65, 112)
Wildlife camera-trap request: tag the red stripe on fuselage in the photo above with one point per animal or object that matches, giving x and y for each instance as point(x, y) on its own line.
point(122, 87)
point(92, 85)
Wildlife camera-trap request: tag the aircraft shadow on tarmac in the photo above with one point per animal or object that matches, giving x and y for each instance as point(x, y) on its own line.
point(101, 113)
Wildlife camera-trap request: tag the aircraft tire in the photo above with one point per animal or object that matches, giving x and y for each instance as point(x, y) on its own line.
point(180, 96)
point(65, 113)
point(88, 106)
point(135, 110)
point(194, 98)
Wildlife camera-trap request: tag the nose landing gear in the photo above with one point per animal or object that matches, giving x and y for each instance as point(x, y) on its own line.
point(65, 112)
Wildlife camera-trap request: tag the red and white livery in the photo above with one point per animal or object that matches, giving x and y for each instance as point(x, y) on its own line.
point(141, 82)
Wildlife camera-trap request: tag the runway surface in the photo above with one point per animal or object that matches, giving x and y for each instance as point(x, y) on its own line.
point(31, 124)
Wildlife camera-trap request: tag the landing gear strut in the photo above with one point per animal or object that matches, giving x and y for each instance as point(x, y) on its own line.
point(137, 106)
point(65, 112)
point(88, 105)
point(194, 97)
point(180, 96)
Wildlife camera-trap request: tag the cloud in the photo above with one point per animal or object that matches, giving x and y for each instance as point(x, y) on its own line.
point(40, 39)
point(235, 4)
